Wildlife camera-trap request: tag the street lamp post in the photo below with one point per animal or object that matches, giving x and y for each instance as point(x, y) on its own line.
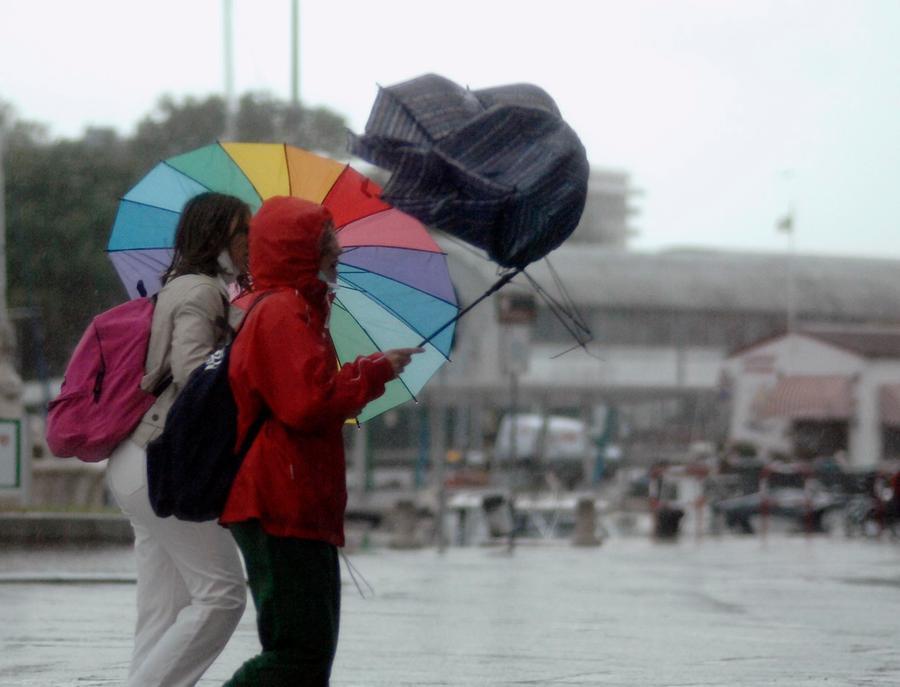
point(230, 131)
point(787, 226)
point(4, 317)
point(516, 312)
point(295, 52)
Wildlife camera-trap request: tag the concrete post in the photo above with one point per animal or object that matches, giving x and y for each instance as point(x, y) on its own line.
point(476, 425)
point(4, 317)
point(437, 420)
point(16, 483)
point(360, 468)
point(865, 428)
point(404, 518)
point(589, 460)
point(585, 523)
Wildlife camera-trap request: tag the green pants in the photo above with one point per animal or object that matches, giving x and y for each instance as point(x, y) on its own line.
point(296, 586)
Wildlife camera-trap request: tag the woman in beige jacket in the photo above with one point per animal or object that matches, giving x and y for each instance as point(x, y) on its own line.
point(190, 584)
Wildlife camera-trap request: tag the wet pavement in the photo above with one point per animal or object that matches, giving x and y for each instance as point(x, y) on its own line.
point(720, 611)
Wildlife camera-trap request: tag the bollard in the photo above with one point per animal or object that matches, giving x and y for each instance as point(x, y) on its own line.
point(404, 530)
point(498, 514)
point(585, 523)
point(667, 520)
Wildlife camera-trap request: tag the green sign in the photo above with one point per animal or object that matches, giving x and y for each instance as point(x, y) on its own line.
point(10, 454)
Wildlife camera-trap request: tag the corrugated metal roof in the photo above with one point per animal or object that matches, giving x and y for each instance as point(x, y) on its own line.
point(825, 287)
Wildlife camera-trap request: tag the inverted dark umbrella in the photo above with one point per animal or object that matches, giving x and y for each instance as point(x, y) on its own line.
point(497, 168)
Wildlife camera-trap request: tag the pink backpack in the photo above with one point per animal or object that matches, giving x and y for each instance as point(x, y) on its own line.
point(101, 401)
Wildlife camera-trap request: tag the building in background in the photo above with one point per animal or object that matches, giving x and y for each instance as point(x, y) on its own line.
point(653, 378)
point(608, 210)
point(821, 392)
point(664, 324)
point(664, 327)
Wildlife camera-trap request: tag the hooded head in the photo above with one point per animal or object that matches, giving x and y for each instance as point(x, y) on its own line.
point(285, 243)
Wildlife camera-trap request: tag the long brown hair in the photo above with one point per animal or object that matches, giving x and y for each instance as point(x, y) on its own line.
point(203, 232)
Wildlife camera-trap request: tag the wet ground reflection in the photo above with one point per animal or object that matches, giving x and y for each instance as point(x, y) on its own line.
point(727, 611)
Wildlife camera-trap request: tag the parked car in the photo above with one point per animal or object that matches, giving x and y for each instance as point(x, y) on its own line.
point(551, 444)
point(807, 511)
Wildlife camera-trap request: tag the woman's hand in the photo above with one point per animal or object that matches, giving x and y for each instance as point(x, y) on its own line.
point(401, 357)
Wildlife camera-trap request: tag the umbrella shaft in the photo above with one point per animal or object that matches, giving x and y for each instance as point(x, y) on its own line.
point(499, 284)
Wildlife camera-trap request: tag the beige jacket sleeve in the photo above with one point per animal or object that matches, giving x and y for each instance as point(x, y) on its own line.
point(186, 329)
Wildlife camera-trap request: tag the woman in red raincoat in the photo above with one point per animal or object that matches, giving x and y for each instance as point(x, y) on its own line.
point(286, 507)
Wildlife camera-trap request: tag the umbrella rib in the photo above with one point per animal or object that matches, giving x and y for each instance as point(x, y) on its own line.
point(567, 298)
point(287, 166)
point(331, 188)
point(412, 115)
point(354, 246)
point(339, 177)
point(568, 309)
point(570, 321)
point(288, 169)
point(378, 212)
point(374, 343)
point(196, 181)
point(240, 169)
point(143, 205)
point(186, 175)
point(385, 306)
point(137, 250)
point(477, 252)
point(499, 284)
point(358, 269)
point(148, 205)
point(355, 287)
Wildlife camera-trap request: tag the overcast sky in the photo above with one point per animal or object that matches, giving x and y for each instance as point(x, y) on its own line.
point(708, 104)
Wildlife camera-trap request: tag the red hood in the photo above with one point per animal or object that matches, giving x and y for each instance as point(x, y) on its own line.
point(284, 244)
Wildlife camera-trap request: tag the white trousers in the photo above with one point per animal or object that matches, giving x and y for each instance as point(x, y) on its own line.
point(190, 584)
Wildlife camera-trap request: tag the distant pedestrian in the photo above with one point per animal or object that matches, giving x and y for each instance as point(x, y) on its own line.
point(190, 585)
point(286, 507)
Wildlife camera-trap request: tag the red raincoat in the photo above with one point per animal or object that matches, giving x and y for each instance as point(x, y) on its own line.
point(293, 479)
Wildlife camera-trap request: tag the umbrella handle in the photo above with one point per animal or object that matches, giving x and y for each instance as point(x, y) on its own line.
point(499, 284)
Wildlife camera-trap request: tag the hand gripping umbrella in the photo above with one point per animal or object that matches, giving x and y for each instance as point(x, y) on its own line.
point(394, 288)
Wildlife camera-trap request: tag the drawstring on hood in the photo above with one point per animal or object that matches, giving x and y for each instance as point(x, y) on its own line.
point(285, 236)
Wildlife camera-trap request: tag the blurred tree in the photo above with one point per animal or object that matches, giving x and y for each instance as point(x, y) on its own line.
point(61, 199)
point(59, 209)
point(178, 127)
point(263, 118)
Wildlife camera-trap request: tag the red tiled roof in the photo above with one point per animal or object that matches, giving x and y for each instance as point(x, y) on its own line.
point(889, 404)
point(812, 397)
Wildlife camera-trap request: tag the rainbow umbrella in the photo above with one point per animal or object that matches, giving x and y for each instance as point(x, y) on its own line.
point(394, 288)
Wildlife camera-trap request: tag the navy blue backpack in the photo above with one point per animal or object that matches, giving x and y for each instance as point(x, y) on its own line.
point(192, 464)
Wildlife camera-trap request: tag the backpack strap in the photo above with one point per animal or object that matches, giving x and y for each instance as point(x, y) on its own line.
point(253, 432)
point(265, 413)
point(226, 332)
point(163, 383)
point(226, 335)
point(256, 301)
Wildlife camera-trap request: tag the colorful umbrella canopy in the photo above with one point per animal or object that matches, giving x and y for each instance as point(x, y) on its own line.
point(394, 288)
point(497, 167)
